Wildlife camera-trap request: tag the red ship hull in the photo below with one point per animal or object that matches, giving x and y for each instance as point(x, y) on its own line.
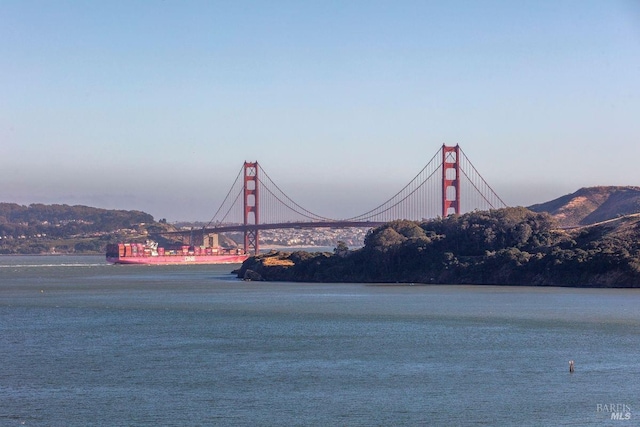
point(179, 259)
point(138, 253)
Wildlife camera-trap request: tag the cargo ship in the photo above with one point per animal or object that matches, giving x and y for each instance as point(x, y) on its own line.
point(150, 253)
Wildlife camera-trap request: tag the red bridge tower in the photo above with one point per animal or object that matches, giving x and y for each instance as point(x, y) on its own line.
point(450, 180)
point(251, 210)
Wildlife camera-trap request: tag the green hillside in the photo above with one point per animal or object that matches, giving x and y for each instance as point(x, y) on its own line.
point(46, 229)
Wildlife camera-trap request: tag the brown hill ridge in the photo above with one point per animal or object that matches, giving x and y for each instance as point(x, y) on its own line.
point(592, 205)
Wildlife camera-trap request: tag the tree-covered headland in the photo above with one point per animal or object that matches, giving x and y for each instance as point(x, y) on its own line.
point(513, 246)
point(45, 229)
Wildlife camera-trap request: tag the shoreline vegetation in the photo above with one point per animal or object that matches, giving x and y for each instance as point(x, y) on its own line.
point(510, 246)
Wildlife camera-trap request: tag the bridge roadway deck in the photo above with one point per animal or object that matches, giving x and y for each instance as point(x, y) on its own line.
point(276, 226)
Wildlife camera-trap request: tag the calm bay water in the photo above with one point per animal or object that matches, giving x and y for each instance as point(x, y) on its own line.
point(85, 343)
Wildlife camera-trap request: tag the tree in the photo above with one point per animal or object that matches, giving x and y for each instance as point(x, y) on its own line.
point(341, 250)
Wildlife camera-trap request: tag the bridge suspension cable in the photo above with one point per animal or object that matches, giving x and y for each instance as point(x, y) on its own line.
point(394, 209)
point(278, 215)
point(227, 203)
point(483, 194)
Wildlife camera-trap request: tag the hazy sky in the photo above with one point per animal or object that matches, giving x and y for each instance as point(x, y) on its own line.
point(155, 105)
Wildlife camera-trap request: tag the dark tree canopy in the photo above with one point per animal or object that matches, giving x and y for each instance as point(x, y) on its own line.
point(504, 246)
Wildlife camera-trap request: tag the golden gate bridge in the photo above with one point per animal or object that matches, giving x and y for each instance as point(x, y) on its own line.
point(448, 184)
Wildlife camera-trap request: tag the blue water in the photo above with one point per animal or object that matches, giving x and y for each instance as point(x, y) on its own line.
point(84, 343)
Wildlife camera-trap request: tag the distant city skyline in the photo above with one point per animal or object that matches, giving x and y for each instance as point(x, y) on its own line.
point(154, 106)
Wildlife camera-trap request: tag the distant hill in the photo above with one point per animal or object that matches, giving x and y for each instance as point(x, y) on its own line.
point(42, 229)
point(592, 205)
point(64, 229)
point(70, 218)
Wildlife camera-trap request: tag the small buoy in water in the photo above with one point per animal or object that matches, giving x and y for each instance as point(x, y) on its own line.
point(571, 368)
point(42, 291)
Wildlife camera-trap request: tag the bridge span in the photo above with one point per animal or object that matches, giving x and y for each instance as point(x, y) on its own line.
point(284, 225)
point(448, 184)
